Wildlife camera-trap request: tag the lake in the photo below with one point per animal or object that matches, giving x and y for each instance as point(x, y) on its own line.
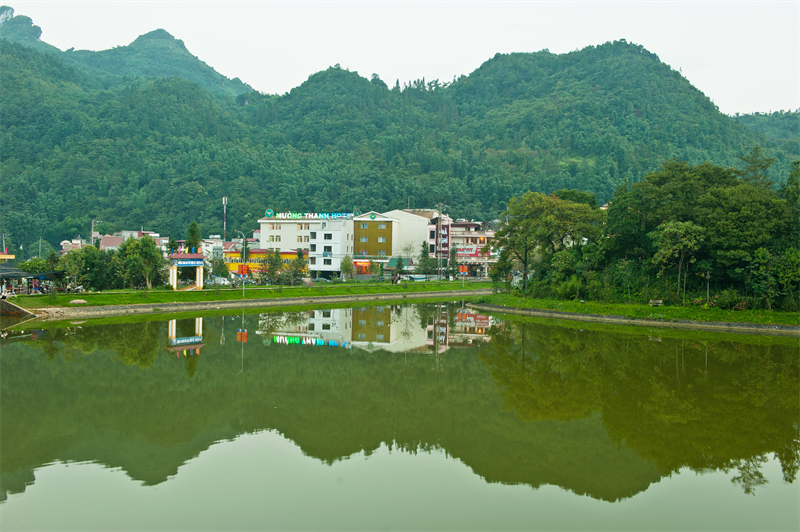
point(414, 417)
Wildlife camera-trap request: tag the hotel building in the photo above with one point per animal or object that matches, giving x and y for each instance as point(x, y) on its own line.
point(329, 242)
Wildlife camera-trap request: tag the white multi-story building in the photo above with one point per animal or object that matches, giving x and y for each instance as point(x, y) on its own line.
point(292, 230)
point(470, 240)
point(329, 242)
point(412, 230)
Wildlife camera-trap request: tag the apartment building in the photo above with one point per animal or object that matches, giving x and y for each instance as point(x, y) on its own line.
point(412, 228)
point(469, 239)
point(333, 240)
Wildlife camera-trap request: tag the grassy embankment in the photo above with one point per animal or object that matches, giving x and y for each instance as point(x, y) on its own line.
point(663, 313)
point(251, 293)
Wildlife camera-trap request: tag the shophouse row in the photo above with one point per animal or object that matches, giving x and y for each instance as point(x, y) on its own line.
point(373, 237)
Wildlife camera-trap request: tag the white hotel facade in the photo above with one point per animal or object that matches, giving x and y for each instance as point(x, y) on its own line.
point(327, 237)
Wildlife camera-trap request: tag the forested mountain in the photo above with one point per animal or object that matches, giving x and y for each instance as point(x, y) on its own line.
point(77, 144)
point(154, 55)
point(781, 128)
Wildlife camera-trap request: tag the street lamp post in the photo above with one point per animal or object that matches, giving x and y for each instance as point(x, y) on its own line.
point(708, 277)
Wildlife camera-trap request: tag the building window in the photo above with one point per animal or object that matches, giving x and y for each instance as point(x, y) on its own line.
point(313, 261)
point(326, 326)
point(363, 239)
point(380, 324)
point(381, 239)
point(313, 235)
point(379, 337)
point(326, 313)
point(326, 262)
point(381, 226)
point(328, 236)
point(362, 322)
point(433, 234)
point(272, 238)
point(313, 247)
point(362, 336)
point(310, 326)
point(277, 238)
point(363, 226)
point(382, 253)
point(306, 239)
point(380, 309)
point(433, 248)
point(299, 238)
point(328, 249)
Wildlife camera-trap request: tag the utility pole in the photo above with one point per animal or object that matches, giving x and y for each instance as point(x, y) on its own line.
point(224, 217)
point(244, 262)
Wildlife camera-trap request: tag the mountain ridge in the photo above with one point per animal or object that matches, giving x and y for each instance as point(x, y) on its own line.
point(154, 54)
point(136, 151)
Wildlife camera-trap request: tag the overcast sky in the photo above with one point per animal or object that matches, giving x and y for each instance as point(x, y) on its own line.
point(744, 55)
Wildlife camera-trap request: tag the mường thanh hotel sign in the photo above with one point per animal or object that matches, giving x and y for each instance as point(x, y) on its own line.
point(269, 213)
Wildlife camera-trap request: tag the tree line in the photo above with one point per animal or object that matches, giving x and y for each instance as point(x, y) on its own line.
point(160, 152)
point(676, 235)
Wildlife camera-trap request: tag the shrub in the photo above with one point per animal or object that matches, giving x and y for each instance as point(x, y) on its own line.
point(730, 299)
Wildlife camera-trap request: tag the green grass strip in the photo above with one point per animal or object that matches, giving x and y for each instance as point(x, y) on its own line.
point(211, 295)
point(663, 313)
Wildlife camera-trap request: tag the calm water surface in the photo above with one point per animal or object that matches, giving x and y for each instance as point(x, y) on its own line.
point(391, 418)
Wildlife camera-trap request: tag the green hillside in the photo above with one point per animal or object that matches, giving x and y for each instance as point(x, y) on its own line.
point(154, 55)
point(781, 128)
point(143, 150)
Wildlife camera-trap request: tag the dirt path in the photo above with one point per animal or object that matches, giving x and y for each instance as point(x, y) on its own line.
point(753, 328)
point(64, 313)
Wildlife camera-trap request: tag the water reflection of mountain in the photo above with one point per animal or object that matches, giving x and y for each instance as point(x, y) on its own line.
point(678, 402)
point(68, 397)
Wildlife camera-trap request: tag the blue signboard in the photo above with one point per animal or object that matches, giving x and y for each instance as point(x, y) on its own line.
point(186, 340)
point(188, 262)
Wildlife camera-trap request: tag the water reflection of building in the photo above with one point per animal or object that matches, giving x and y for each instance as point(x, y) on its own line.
point(470, 328)
point(189, 344)
point(436, 336)
point(466, 329)
point(388, 328)
point(331, 327)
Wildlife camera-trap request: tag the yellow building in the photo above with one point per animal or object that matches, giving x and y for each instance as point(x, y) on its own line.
point(257, 259)
point(375, 239)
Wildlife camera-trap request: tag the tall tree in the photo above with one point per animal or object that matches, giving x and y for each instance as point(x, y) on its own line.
point(274, 266)
point(677, 242)
point(755, 170)
point(347, 267)
point(426, 264)
point(193, 238)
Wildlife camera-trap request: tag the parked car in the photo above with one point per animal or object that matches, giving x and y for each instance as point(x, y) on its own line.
point(220, 281)
point(321, 280)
